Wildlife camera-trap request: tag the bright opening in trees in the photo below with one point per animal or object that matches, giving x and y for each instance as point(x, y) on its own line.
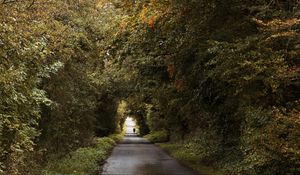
point(130, 125)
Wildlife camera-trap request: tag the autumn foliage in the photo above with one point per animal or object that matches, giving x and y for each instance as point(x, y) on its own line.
point(219, 79)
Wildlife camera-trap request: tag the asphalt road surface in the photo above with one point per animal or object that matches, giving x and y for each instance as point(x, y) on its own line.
point(136, 156)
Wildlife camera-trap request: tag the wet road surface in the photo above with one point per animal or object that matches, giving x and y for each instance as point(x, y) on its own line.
point(136, 156)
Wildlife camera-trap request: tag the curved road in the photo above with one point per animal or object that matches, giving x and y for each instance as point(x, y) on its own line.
point(136, 156)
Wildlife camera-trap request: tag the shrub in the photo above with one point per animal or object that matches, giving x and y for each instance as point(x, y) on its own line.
point(158, 136)
point(116, 137)
point(104, 143)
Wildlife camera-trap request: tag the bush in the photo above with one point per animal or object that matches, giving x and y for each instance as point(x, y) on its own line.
point(270, 138)
point(116, 137)
point(158, 136)
point(104, 143)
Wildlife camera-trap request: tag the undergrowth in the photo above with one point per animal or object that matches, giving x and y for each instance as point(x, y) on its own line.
point(189, 156)
point(84, 161)
point(158, 136)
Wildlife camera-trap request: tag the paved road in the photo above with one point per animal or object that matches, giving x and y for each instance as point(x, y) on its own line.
point(136, 156)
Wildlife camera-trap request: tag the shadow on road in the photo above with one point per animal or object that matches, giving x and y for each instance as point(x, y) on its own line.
point(137, 156)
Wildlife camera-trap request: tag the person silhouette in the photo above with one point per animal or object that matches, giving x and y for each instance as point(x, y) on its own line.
point(133, 130)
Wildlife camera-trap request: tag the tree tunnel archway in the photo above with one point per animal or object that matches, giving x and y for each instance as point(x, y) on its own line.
point(200, 69)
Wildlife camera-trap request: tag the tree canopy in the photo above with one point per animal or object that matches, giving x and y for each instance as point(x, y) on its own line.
point(220, 76)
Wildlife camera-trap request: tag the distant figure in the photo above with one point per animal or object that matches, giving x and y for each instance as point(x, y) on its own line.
point(133, 130)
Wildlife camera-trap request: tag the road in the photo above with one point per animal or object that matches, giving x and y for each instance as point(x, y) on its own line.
point(136, 156)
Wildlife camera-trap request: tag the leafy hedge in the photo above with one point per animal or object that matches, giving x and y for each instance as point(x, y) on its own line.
point(54, 88)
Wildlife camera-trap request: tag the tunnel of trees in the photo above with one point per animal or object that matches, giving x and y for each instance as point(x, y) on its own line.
point(221, 76)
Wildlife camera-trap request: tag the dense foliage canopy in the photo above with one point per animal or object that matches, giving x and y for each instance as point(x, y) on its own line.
point(221, 77)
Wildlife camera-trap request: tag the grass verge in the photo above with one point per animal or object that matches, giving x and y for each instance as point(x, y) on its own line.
point(189, 158)
point(84, 161)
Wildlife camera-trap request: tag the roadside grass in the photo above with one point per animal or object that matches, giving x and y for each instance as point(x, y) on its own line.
point(189, 158)
point(84, 161)
point(158, 136)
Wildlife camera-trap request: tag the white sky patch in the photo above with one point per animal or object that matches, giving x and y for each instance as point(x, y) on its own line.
point(130, 124)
